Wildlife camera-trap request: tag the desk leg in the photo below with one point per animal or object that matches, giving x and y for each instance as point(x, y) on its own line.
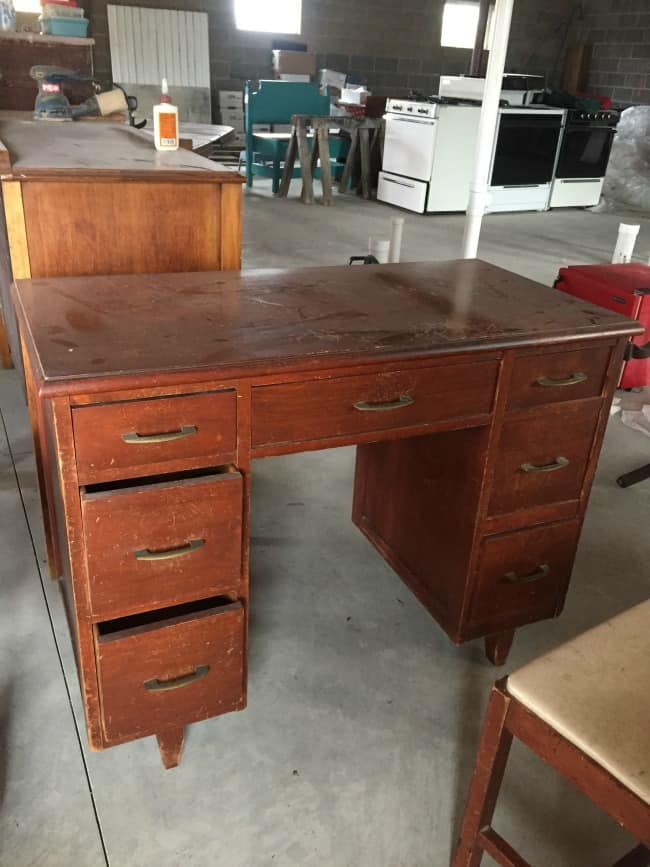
point(170, 744)
point(497, 647)
point(5, 352)
point(42, 470)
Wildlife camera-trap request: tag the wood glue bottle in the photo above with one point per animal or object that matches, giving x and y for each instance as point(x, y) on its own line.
point(165, 122)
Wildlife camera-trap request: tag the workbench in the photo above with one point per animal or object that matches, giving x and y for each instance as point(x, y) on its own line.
point(477, 400)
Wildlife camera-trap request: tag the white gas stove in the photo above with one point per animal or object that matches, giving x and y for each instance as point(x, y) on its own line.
point(428, 154)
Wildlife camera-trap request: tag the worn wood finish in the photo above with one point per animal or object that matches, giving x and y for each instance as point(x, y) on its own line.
point(427, 487)
point(169, 672)
point(497, 646)
point(301, 411)
point(97, 198)
point(157, 544)
point(531, 470)
point(137, 227)
point(558, 376)
point(143, 437)
point(278, 320)
point(275, 363)
point(106, 150)
point(523, 575)
point(507, 718)
point(170, 744)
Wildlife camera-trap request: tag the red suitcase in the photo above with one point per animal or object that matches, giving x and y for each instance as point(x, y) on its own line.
point(625, 289)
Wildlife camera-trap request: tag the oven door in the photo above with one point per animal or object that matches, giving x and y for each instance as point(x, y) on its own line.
point(585, 152)
point(525, 149)
point(408, 146)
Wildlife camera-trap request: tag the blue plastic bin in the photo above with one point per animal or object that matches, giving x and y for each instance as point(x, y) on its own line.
point(64, 26)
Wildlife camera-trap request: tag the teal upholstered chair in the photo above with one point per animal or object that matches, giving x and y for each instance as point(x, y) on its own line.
point(274, 102)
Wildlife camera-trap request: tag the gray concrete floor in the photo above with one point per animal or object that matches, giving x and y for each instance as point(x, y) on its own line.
point(358, 742)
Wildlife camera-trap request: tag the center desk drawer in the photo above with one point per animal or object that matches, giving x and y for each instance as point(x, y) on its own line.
point(154, 545)
point(134, 438)
point(315, 409)
point(185, 666)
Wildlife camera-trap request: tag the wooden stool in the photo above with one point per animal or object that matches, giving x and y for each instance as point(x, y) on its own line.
point(585, 709)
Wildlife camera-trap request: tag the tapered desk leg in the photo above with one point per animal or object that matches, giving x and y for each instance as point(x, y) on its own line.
point(170, 744)
point(497, 647)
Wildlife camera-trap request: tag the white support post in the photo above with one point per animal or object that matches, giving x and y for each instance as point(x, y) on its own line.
point(478, 190)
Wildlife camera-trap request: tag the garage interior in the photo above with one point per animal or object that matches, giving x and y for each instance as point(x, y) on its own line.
point(359, 738)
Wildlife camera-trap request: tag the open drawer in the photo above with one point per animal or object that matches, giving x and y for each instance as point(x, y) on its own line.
point(154, 545)
point(170, 667)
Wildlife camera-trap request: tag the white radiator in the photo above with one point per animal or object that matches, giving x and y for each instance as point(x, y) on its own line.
point(148, 45)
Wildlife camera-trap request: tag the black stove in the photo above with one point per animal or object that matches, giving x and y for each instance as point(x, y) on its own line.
point(602, 117)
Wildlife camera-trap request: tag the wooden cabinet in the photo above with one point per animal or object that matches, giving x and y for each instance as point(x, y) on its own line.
point(472, 477)
point(97, 198)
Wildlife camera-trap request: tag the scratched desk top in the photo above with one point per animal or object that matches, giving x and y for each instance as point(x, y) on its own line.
point(261, 321)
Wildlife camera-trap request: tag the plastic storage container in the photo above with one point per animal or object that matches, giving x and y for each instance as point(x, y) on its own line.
point(62, 26)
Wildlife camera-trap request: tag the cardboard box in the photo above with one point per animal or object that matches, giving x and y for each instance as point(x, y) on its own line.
point(354, 95)
point(294, 62)
point(332, 78)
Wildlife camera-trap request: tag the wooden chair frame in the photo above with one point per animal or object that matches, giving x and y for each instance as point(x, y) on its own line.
point(506, 718)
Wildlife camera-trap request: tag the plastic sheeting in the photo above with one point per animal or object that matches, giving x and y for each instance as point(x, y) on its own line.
point(627, 183)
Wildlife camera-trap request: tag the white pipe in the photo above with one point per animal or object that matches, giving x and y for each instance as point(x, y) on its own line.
point(625, 243)
point(397, 226)
point(478, 189)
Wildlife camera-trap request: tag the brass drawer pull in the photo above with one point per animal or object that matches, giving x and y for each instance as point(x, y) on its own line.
point(170, 553)
point(399, 403)
point(541, 572)
point(557, 464)
point(156, 685)
point(574, 379)
point(186, 431)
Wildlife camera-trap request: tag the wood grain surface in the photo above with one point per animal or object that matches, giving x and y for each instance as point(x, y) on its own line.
point(294, 318)
point(99, 149)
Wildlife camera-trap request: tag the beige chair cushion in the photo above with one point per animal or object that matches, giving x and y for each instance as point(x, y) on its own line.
point(595, 691)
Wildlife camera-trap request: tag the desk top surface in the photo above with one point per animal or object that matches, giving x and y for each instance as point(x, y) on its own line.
point(46, 149)
point(279, 319)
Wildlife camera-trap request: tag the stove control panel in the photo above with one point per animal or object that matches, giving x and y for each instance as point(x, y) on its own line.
point(607, 118)
point(411, 108)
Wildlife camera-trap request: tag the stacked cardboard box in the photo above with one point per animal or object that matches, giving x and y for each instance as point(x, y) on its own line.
point(293, 65)
point(231, 109)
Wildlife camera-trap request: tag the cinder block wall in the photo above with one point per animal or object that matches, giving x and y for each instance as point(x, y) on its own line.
point(620, 33)
point(393, 45)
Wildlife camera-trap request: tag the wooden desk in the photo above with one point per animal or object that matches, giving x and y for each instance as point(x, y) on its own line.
point(97, 198)
point(477, 399)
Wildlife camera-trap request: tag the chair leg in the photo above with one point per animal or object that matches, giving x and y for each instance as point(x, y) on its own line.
point(638, 857)
point(486, 781)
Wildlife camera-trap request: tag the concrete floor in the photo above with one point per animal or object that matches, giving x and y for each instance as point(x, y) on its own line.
point(363, 720)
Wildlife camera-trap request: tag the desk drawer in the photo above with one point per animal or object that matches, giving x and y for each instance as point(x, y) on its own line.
point(144, 437)
point(523, 576)
point(542, 458)
point(155, 545)
point(558, 376)
point(185, 665)
point(319, 409)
